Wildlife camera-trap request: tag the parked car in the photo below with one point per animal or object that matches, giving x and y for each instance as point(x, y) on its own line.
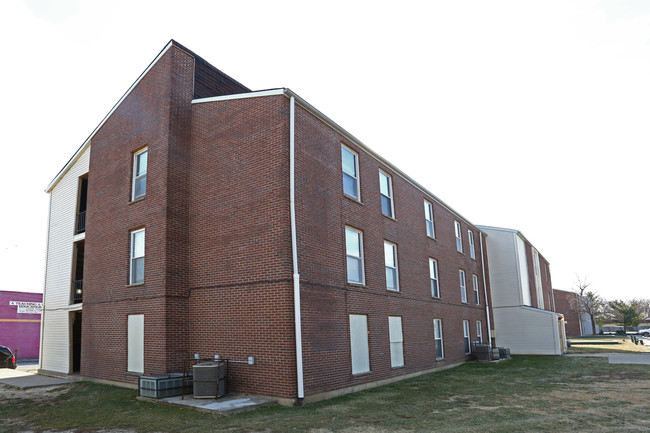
point(7, 358)
point(644, 332)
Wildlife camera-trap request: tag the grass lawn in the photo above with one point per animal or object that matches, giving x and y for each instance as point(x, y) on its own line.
point(625, 345)
point(525, 394)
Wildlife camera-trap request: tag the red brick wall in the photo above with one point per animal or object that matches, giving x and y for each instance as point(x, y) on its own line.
point(218, 266)
point(155, 114)
point(566, 303)
point(241, 300)
point(327, 298)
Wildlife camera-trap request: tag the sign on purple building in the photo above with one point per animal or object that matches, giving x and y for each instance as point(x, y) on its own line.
point(20, 322)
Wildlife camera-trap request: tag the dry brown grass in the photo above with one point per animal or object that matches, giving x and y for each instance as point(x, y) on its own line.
point(625, 345)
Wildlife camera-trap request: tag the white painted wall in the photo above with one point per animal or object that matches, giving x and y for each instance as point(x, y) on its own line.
point(528, 331)
point(524, 285)
point(55, 339)
point(503, 267)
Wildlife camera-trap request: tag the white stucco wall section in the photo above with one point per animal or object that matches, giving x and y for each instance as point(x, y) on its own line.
point(55, 339)
point(518, 326)
point(529, 331)
point(503, 267)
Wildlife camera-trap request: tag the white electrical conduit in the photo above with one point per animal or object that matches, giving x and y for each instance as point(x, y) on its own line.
point(294, 247)
point(487, 301)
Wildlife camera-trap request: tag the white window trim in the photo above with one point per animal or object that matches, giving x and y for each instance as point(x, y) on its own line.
point(437, 327)
point(433, 276)
point(361, 264)
point(479, 331)
point(396, 340)
point(467, 339)
point(386, 265)
point(463, 286)
point(132, 252)
point(472, 250)
point(135, 177)
point(356, 168)
point(477, 293)
point(459, 236)
point(390, 192)
point(428, 208)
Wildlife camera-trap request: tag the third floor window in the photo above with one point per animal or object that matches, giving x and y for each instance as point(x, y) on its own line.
point(139, 188)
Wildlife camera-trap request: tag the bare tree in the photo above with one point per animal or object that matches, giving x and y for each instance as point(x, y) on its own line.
point(588, 302)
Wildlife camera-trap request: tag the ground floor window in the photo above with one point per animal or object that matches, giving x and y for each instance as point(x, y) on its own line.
point(466, 337)
point(135, 343)
point(396, 342)
point(437, 336)
point(359, 350)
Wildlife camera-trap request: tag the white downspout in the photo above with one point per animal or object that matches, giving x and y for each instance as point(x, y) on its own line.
point(487, 301)
point(294, 248)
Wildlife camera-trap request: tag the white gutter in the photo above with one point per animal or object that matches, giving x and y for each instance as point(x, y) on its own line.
point(294, 247)
point(487, 302)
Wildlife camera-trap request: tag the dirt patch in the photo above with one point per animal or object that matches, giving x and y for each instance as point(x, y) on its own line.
point(38, 395)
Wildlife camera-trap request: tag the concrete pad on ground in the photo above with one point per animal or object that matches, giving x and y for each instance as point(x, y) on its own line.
point(618, 358)
point(25, 379)
point(223, 405)
point(629, 358)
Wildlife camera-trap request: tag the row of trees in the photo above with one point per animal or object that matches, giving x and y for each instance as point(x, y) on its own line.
point(624, 313)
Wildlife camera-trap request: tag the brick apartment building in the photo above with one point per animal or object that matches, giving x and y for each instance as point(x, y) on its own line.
point(567, 304)
point(203, 217)
point(523, 305)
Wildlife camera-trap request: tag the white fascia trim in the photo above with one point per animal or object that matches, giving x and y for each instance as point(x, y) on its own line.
point(86, 143)
point(272, 92)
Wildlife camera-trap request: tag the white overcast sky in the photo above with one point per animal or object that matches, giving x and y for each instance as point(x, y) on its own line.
point(532, 115)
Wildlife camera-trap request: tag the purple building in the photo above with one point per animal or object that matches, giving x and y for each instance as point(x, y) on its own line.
point(20, 322)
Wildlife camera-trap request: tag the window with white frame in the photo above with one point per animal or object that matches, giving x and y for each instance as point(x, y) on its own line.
point(350, 163)
point(139, 184)
point(466, 337)
point(470, 237)
point(137, 257)
point(386, 192)
point(390, 262)
point(396, 341)
point(459, 237)
point(428, 218)
point(437, 337)
point(433, 277)
point(354, 253)
point(477, 298)
point(479, 331)
point(463, 286)
point(359, 350)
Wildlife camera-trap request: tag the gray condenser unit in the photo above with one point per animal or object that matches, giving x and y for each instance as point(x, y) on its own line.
point(209, 379)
